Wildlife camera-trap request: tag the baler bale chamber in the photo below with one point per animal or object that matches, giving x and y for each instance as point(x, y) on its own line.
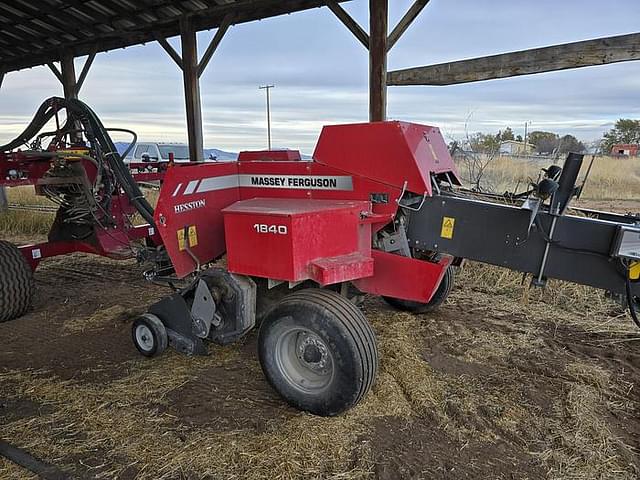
point(379, 210)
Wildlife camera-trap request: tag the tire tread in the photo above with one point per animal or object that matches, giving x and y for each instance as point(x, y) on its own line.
point(16, 283)
point(354, 322)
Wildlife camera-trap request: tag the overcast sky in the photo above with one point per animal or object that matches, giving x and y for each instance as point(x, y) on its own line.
point(320, 71)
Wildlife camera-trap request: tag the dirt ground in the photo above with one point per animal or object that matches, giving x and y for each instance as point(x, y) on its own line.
point(497, 384)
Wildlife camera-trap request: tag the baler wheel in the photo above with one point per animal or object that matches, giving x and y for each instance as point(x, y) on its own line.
point(16, 283)
point(445, 287)
point(149, 335)
point(318, 351)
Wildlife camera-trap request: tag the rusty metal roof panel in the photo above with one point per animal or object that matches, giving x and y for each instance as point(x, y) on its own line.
point(35, 32)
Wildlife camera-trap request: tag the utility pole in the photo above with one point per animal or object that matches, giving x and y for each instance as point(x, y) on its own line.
point(267, 88)
point(526, 126)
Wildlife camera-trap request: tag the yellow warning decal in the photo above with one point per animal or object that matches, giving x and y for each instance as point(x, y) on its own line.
point(191, 233)
point(447, 227)
point(193, 236)
point(634, 271)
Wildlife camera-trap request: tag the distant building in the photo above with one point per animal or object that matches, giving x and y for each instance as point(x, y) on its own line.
point(513, 147)
point(628, 149)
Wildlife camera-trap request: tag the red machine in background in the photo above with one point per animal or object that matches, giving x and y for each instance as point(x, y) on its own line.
point(83, 177)
point(378, 210)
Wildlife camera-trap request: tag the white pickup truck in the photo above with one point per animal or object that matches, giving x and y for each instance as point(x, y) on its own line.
point(158, 152)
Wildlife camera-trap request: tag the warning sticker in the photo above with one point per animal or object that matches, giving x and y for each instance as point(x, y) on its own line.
point(447, 227)
point(191, 235)
point(634, 271)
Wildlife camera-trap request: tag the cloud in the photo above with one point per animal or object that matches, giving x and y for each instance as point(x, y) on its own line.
point(320, 72)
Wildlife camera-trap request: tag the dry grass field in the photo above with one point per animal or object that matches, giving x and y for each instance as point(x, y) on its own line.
point(502, 382)
point(610, 178)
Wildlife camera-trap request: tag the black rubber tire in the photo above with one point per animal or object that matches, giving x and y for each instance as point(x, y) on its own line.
point(159, 338)
point(344, 331)
point(445, 287)
point(16, 283)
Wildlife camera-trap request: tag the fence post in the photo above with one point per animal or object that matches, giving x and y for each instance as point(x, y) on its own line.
point(4, 204)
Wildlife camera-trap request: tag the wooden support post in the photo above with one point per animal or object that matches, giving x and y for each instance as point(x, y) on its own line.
point(4, 203)
point(191, 72)
point(378, 20)
point(192, 90)
point(68, 71)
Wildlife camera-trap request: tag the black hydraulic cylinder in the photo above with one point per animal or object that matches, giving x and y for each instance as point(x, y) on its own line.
point(567, 183)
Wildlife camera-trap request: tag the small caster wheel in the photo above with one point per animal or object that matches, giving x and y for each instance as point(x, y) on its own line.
point(149, 335)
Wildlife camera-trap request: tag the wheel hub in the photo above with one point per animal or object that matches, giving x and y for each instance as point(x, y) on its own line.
point(144, 337)
point(313, 353)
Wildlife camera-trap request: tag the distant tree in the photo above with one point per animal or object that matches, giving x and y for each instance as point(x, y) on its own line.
point(519, 138)
point(484, 143)
point(507, 134)
point(545, 142)
point(624, 131)
point(569, 143)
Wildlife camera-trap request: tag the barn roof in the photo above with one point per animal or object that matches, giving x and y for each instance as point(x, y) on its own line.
point(35, 32)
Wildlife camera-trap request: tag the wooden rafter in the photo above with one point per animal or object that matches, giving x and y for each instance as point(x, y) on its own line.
point(215, 42)
point(36, 31)
point(175, 56)
point(349, 22)
point(405, 22)
point(85, 71)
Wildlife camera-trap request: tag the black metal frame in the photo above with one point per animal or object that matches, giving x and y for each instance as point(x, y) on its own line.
point(547, 240)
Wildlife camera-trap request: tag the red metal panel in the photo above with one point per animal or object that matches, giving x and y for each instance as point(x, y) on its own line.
point(270, 156)
point(389, 152)
point(347, 185)
point(403, 277)
point(281, 239)
point(113, 244)
point(327, 271)
point(194, 196)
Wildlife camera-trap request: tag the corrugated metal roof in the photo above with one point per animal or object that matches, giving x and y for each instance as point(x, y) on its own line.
point(34, 32)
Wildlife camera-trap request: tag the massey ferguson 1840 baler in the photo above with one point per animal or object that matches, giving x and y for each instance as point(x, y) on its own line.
point(293, 245)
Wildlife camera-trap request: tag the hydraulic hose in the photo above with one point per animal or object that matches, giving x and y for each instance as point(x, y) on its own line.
point(45, 113)
point(100, 140)
point(113, 158)
point(133, 142)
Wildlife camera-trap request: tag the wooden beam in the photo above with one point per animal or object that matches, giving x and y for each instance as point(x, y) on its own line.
point(378, 19)
point(213, 45)
point(192, 90)
point(85, 71)
point(601, 51)
point(349, 22)
point(68, 70)
point(405, 22)
point(55, 71)
point(171, 51)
